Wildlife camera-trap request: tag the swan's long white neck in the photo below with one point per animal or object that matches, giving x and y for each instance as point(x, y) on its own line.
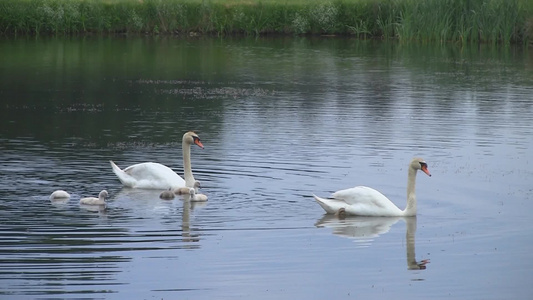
point(410, 209)
point(187, 170)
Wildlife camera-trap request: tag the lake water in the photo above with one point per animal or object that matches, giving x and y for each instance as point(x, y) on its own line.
point(280, 119)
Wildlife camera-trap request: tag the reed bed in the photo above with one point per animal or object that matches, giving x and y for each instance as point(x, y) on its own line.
point(465, 21)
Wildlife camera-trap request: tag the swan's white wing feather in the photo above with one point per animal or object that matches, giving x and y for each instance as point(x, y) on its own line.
point(361, 201)
point(362, 195)
point(149, 176)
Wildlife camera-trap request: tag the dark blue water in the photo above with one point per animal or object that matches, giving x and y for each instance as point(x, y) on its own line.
point(280, 119)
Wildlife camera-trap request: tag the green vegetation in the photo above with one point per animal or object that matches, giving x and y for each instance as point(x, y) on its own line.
point(466, 21)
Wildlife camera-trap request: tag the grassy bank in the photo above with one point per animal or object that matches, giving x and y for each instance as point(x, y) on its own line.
point(467, 21)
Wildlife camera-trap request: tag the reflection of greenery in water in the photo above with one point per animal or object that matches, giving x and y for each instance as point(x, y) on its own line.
point(99, 85)
point(430, 20)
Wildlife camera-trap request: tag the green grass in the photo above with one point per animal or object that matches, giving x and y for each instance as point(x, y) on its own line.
point(493, 21)
point(465, 21)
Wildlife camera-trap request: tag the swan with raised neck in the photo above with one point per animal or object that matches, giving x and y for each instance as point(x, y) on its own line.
point(150, 175)
point(365, 201)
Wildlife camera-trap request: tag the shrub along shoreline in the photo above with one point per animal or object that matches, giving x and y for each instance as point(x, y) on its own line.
point(464, 21)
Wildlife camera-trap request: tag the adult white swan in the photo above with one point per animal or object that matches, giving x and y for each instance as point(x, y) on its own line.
point(365, 201)
point(151, 175)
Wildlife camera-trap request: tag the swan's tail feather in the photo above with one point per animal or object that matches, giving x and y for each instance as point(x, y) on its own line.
point(323, 203)
point(116, 169)
point(331, 206)
point(317, 199)
point(122, 176)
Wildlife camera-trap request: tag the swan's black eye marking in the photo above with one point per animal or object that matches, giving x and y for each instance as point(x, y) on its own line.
point(423, 164)
point(195, 138)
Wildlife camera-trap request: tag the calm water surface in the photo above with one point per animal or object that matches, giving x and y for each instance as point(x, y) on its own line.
point(280, 119)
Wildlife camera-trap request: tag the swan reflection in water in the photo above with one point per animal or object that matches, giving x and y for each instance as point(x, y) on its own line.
point(366, 228)
point(147, 203)
point(189, 206)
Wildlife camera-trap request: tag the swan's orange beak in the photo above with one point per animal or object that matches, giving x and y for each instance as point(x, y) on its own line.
point(197, 142)
point(425, 170)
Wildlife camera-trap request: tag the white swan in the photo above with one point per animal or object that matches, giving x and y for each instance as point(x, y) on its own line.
point(365, 201)
point(95, 201)
point(59, 195)
point(151, 175)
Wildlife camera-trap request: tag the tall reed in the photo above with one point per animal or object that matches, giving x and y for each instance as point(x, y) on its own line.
point(466, 21)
